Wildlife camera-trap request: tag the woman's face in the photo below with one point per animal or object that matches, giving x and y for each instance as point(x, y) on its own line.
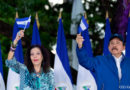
point(36, 56)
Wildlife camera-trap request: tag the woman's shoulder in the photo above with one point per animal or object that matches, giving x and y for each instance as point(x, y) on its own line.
point(51, 71)
point(23, 66)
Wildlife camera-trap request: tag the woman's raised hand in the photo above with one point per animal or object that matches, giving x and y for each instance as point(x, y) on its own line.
point(19, 35)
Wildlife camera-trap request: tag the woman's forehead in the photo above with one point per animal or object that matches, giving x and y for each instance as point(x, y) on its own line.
point(35, 49)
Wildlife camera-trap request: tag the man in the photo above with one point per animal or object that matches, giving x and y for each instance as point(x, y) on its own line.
point(112, 72)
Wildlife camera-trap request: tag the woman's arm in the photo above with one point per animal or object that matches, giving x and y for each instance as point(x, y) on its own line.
point(19, 35)
point(11, 62)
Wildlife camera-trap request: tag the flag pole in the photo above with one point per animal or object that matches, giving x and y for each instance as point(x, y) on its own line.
point(26, 23)
point(107, 16)
point(60, 15)
point(85, 15)
point(16, 15)
point(25, 27)
point(37, 20)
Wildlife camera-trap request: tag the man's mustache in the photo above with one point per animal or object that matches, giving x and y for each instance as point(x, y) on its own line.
point(114, 48)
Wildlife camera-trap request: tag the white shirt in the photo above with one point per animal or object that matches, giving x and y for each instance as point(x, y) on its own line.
point(118, 61)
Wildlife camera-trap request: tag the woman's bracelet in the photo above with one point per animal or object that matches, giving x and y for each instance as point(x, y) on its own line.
point(12, 49)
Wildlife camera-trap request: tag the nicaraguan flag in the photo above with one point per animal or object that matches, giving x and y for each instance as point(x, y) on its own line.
point(107, 37)
point(85, 79)
point(13, 81)
point(63, 78)
point(83, 25)
point(35, 36)
point(23, 23)
point(127, 51)
point(2, 85)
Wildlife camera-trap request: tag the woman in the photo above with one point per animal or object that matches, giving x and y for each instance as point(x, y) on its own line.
point(36, 73)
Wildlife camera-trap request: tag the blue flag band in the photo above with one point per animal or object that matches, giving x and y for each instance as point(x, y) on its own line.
point(107, 37)
point(83, 25)
point(128, 40)
point(35, 35)
point(23, 23)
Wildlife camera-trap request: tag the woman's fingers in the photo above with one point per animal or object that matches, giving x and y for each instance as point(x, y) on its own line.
point(21, 33)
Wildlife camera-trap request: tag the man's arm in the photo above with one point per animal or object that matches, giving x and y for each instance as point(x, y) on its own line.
point(79, 40)
point(83, 58)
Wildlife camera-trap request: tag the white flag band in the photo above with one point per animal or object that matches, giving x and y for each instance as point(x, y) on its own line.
point(23, 22)
point(82, 25)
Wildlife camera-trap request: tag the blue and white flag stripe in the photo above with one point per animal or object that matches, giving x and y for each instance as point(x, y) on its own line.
point(83, 25)
point(13, 81)
point(63, 78)
point(2, 85)
point(85, 79)
point(23, 22)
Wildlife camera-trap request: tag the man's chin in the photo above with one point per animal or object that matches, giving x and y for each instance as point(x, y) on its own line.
point(114, 53)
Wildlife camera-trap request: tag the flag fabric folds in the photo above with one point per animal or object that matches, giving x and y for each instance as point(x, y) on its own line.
point(127, 50)
point(13, 81)
point(85, 79)
point(83, 25)
point(2, 85)
point(63, 78)
point(107, 37)
point(35, 36)
point(23, 23)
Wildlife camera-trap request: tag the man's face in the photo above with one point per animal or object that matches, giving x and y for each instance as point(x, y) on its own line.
point(116, 47)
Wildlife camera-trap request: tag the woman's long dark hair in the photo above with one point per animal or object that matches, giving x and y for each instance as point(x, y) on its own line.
point(46, 59)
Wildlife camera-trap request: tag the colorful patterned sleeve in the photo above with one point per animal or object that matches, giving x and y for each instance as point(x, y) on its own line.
point(15, 65)
point(51, 80)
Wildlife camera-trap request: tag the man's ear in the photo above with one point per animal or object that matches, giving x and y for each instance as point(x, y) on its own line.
point(124, 47)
